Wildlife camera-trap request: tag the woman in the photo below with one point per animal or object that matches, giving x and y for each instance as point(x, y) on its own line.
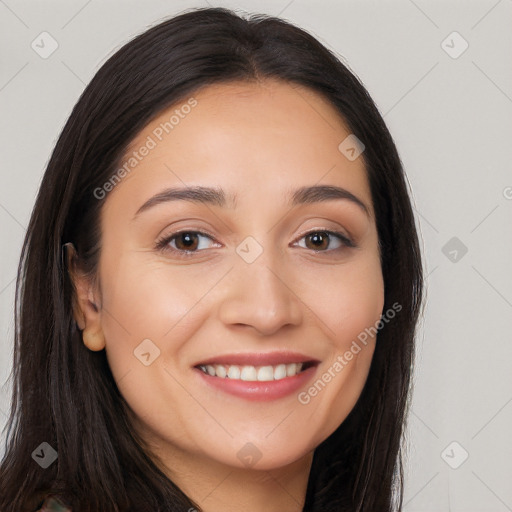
point(219, 286)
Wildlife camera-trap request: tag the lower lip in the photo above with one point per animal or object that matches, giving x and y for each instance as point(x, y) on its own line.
point(257, 390)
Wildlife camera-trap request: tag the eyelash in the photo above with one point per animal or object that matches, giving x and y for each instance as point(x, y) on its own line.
point(163, 243)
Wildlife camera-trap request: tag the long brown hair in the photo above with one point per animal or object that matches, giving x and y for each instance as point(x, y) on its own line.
point(65, 394)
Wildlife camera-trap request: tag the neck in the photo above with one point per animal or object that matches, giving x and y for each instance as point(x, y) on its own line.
point(216, 487)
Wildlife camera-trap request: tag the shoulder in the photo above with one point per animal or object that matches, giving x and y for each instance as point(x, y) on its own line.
point(53, 504)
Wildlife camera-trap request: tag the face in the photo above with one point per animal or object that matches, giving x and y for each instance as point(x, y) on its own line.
point(229, 316)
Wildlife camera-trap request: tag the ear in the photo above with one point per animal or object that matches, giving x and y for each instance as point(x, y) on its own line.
point(85, 302)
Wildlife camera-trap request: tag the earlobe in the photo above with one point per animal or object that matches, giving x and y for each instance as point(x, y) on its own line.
point(93, 340)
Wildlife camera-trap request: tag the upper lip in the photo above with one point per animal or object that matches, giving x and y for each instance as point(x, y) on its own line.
point(258, 358)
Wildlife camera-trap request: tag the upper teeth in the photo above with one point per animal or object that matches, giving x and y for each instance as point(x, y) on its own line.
point(251, 373)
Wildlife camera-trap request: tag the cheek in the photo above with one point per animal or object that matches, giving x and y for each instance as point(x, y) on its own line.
point(361, 307)
point(350, 307)
point(350, 299)
point(147, 300)
point(149, 315)
point(141, 303)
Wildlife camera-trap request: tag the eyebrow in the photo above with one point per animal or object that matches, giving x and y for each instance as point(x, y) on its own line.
point(217, 197)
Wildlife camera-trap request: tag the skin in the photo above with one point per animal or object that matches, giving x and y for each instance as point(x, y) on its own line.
point(259, 141)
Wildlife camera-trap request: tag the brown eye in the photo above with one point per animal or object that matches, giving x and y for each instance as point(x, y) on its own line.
point(318, 241)
point(322, 241)
point(184, 243)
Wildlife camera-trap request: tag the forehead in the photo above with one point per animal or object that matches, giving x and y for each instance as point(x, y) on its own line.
point(268, 137)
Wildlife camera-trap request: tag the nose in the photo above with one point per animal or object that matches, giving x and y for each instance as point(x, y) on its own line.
point(261, 295)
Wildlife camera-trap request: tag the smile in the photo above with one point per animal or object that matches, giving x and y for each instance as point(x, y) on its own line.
point(254, 373)
point(257, 376)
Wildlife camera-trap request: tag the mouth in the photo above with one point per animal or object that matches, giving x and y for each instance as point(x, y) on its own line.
point(250, 373)
point(257, 376)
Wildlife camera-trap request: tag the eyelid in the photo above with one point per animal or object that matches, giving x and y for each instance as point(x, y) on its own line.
point(345, 238)
point(162, 244)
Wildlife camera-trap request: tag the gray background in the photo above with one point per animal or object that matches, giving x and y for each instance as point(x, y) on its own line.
point(452, 121)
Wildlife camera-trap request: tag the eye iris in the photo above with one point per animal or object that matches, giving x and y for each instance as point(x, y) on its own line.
point(188, 240)
point(318, 238)
point(190, 243)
